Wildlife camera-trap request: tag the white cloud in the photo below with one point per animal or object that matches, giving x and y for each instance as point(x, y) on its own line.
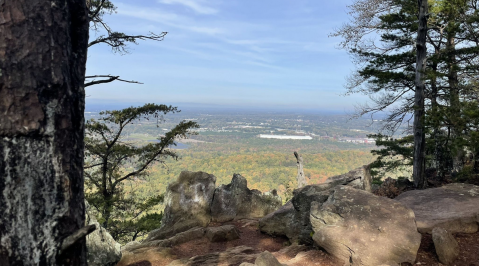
point(169, 19)
point(196, 5)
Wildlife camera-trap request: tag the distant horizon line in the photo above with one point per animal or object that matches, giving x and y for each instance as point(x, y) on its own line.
point(100, 105)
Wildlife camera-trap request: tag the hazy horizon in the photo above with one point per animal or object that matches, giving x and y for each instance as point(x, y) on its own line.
point(96, 105)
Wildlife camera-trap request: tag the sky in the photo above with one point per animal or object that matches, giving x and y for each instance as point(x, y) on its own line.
point(243, 53)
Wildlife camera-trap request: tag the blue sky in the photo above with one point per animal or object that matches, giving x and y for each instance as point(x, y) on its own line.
point(250, 53)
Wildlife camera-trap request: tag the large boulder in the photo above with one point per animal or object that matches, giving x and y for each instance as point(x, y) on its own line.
point(364, 229)
point(237, 201)
point(293, 220)
point(453, 207)
point(187, 202)
point(102, 249)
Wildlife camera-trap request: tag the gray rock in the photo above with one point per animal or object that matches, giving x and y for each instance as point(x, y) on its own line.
point(293, 220)
point(267, 259)
point(246, 264)
point(453, 207)
point(237, 201)
point(188, 202)
point(222, 233)
point(446, 246)
point(102, 249)
point(364, 229)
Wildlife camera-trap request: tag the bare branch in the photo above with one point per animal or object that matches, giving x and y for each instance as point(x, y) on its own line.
point(109, 79)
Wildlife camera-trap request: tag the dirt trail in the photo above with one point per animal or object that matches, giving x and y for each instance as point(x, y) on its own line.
point(251, 236)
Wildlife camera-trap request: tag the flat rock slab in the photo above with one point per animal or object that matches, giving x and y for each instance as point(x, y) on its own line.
point(232, 256)
point(454, 207)
point(213, 234)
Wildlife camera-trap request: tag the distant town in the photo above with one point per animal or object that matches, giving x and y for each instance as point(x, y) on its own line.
point(336, 128)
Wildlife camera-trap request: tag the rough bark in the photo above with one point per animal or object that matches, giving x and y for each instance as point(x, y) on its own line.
point(43, 48)
point(300, 177)
point(419, 134)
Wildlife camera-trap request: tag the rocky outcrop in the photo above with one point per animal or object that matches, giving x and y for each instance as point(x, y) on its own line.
point(453, 207)
point(188, 202)
point(193, 201)
point(447, 248)
point(364, 229)
point(102, 249)
point(237, 201)
point(293, 220)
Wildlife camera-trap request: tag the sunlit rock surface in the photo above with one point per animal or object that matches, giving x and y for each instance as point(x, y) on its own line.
point(237, 201)
point(187, 203)
point(364, 229)
point(292, 219)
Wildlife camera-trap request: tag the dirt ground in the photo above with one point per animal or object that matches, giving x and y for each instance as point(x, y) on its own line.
point(252, 237)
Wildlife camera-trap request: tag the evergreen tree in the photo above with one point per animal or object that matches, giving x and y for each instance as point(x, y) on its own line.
point(386, 70)
point(111, 161)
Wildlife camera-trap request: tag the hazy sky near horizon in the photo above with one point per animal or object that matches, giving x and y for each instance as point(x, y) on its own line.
point(260, 53)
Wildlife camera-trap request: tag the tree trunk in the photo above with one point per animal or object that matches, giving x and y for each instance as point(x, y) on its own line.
point(107, 208)
point(436, 118)
point(300, 177)
point(43, 48)
point(367, 179)
point(454, 103)
point(419, 135)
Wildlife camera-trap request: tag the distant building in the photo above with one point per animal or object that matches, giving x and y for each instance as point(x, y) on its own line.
point(263, 136)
